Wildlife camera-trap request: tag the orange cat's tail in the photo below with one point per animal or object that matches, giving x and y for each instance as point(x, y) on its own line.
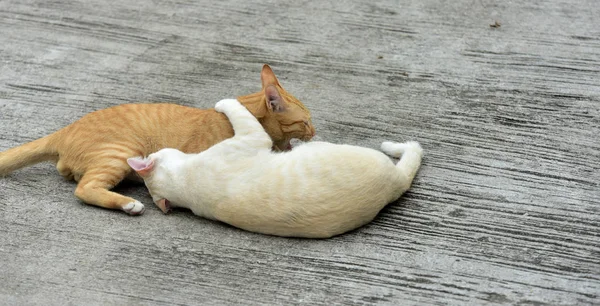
point(28, 154)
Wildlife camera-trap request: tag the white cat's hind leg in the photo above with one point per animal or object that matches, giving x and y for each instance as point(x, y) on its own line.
point(410, 154)
point(396, 149)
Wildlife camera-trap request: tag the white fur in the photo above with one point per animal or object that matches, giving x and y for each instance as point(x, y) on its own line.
point(316, 190)
point(134, 208)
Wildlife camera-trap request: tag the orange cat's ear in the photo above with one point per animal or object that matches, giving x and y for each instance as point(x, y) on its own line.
point(275, 102)
point(268, 77)
point(143, 166)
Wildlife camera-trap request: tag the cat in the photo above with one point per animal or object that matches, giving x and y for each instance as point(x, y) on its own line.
point(316, 190)
point(94, 150)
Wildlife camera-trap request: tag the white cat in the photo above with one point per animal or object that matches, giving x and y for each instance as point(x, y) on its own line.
point(316, 190)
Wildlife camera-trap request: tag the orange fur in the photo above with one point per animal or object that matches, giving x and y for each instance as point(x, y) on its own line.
point(93, 150)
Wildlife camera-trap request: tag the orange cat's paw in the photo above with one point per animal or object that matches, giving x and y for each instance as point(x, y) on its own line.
point(134, 208)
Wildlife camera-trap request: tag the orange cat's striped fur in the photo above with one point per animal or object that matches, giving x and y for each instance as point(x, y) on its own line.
point(94, 150)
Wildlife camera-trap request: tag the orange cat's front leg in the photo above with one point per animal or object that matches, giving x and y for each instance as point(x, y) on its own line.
point(93, 188)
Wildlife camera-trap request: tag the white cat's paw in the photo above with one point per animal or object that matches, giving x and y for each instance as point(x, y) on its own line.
point(413, 146)
point(396, 149)
point(134, 208)
point(225, 104)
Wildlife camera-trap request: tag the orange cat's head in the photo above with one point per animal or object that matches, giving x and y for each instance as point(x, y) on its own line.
point(282, 115)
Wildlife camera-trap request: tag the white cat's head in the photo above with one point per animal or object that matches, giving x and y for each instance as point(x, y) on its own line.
point(157, 172)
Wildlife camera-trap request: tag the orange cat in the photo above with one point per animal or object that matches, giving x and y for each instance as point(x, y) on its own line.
point(94, 150)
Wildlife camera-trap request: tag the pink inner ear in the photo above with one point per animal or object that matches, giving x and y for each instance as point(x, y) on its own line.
point(140, 165)
point(274, 99)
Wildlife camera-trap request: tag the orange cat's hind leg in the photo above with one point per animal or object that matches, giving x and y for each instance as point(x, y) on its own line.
point(94, 188)
point(64, 170)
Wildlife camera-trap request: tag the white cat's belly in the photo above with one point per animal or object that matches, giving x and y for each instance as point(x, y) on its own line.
point(323, 194)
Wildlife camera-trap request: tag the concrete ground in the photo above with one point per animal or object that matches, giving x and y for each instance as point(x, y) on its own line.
point(505, 210)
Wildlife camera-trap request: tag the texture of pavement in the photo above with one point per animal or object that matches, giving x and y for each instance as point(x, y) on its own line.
point(504, 97)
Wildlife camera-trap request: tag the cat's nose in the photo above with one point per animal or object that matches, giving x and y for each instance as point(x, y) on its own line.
point(308, 136)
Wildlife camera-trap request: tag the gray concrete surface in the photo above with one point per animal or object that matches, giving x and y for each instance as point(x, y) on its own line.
point(506, 209)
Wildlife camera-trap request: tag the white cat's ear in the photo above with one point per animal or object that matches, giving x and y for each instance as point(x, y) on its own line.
point(275, 102)
point(267, 77)
point(143, 166)
point(164, 205)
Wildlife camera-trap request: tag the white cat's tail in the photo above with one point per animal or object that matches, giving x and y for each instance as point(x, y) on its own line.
point(410, 161)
